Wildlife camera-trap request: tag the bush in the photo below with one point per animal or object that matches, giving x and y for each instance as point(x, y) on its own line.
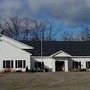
point(46, 70)
point(7, 70)
point(18, 70)
point(32, 70)
point(27, 69)
point(39, 70)
point(83, 70)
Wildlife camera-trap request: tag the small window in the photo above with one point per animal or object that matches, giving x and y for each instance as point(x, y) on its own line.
point(87, 64)
point(24, 64)
point(76, 65)
point(36, 65)
point(19, 63)
point(39, 65)
point(8, 64)
point(42, 65)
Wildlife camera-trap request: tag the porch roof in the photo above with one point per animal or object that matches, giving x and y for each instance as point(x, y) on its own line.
point(60, 54)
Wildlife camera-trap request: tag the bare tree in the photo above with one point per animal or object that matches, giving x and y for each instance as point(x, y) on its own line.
point(84, 34)
point(51, 32)
point(11, 27)
point(36, 30)
point(67, 36)
point(44, 30)
point(28, 29)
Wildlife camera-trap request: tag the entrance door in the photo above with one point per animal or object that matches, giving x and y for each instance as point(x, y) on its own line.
point(59, 65)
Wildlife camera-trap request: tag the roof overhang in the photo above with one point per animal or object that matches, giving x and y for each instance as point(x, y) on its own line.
point(15, 42)
point(60, 54)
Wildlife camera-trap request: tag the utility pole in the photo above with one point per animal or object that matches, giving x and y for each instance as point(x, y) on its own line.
point(41, 51)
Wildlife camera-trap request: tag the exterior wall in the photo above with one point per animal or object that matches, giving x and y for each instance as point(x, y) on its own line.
point(15, 42)
point(66, 65)
point(49, 62)
point(10, 52)
point(82, 60)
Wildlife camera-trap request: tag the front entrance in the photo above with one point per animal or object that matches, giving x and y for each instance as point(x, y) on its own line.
point(59, 65)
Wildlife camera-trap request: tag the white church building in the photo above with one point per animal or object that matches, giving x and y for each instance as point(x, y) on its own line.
point(56, 55)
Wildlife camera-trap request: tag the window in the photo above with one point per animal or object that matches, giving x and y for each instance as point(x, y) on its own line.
point(76, 65)
point(36, 65)
point(20, 63)
point(8, 64)
point(42, 65)
point(87, 64)
point(39, 65)
point(24, 64)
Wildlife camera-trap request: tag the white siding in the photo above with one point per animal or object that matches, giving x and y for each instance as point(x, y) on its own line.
point(82, 60)
point(10, 52)
point(66, 65)
point(49, 62)
point(15, 43)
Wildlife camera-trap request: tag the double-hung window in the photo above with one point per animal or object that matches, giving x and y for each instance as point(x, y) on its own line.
point(20, 64)
point(7, 63)
point(39, 65)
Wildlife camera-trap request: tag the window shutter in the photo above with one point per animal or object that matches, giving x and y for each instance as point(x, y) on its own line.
point(11, 64)
point(16, 64)
point(42, 65)
point(24, 63)
point(36, 65)
point(3, 64)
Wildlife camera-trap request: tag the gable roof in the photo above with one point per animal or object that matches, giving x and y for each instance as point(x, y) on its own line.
point(73, 48)
point(15, 42)
point(60, 54)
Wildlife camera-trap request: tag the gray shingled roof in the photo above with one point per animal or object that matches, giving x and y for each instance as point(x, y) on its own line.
point(74, 48)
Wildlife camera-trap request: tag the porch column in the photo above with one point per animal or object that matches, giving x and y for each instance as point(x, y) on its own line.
point(66, 65)
point(53, 65)
point(28, 62)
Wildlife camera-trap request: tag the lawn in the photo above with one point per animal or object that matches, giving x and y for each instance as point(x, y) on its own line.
point(45, 81)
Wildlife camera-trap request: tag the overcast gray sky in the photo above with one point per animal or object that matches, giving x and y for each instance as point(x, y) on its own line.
point(69, 11)
point(66, 12)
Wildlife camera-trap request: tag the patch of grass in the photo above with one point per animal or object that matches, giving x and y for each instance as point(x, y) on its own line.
point(45, 81)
